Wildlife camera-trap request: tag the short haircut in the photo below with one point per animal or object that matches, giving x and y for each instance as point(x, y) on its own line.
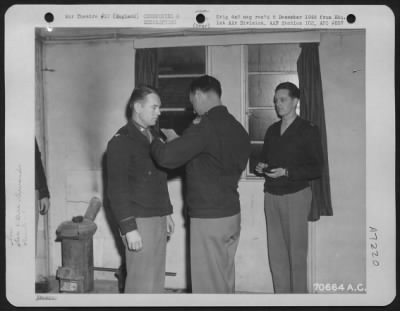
point(138, 94)
point(294, 91)
point(205, 84)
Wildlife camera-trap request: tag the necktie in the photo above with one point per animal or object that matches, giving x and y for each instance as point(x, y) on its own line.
point(147, 133)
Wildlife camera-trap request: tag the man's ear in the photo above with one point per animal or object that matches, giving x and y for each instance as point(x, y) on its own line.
point(136, 106)
point(196, 95)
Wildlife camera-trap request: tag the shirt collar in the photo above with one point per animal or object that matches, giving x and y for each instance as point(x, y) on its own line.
point(290, 128)
point(135, 127)
point(216, 109)
point(138, 126)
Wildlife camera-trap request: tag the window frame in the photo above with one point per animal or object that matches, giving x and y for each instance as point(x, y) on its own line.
point(243, 40)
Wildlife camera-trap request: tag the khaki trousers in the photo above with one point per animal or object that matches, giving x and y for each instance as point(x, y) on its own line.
point(287, 236)
point(146, 268)
point(213, 245)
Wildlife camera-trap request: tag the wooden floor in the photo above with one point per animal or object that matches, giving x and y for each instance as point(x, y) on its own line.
point(111, 287)
point(104, 287)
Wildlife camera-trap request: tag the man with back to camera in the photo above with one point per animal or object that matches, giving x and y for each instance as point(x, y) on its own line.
point(215, 150)
point(139, 197)
point(290, 158)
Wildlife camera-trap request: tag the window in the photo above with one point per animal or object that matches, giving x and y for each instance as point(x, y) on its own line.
point(267, 66)
point(178, 67)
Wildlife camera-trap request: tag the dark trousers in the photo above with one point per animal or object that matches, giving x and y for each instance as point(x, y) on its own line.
point(287, 236)
point(146, 268)
point(213, 245)
point(37, 270)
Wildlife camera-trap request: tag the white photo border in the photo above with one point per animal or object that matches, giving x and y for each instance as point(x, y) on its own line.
point(20, 24)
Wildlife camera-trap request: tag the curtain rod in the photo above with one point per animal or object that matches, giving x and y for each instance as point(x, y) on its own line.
point(230, 39)
point(173, 35)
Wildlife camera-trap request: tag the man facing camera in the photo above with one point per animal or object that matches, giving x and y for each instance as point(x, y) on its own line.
point(215, 149)
point(138, 194)
point(290, 158)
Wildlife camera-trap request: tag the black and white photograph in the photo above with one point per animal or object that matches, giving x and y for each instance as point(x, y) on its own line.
point(198, 159)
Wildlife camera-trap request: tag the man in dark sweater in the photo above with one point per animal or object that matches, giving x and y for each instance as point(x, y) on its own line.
point(41, 188)
point(139, 197)
point(290, 158)
point(215, 150)
point(42, 207)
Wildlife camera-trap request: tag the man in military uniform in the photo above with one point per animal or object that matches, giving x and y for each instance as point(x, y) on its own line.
point(42, 207)
point(215, 150)
point(138, 194)
point(290, 158)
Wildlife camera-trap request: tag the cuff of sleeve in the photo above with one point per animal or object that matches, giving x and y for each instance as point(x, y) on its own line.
point(289, 173)
point(127, 224)
point(43, 193)
point(293, 174)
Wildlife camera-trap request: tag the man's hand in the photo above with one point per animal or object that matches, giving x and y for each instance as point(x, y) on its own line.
point(170, 225)
point(133, 240)
point(260, 166)
point(276, 172)
point(44, 205)
point(197, 120)
point(170, 134)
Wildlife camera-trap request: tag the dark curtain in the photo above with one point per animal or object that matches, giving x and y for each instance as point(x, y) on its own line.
point(146, 67)
point(312, 109)
point(146, 72)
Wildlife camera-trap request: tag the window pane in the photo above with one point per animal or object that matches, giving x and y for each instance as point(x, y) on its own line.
point(182, 60)
point(174, 92)
point(259, 121)
point(273, 57)
point(254, 156)
point(177, 120)
point(262, 88)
